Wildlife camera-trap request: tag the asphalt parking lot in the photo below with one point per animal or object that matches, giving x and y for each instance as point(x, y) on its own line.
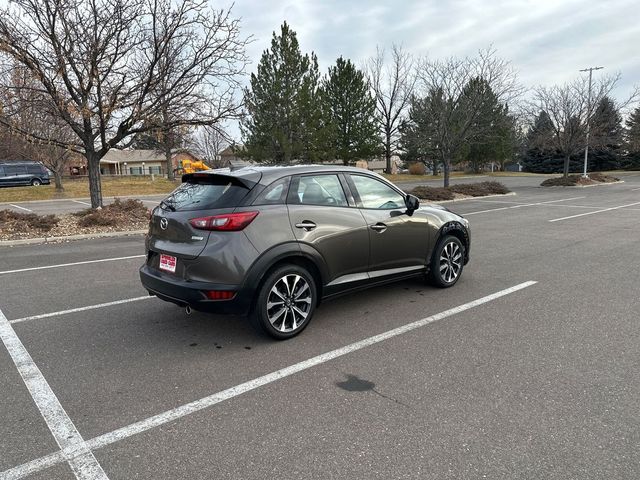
point(528, 368)
point(68, 205)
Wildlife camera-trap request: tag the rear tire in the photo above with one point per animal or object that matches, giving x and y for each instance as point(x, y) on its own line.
point(286, 302)
point(447, 262)
point(36, 182)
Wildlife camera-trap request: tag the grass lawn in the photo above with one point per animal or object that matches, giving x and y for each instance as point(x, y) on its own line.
point(111, 187)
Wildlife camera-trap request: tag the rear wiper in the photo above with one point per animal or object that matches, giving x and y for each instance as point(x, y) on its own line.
point(166, 206)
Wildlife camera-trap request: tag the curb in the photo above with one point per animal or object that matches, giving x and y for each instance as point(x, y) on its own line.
point(85, 236)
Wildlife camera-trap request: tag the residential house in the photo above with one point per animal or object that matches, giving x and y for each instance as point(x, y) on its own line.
point(141, 162)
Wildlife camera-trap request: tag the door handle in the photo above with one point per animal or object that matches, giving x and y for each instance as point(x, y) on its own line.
point(379, 227)
point(307, 225)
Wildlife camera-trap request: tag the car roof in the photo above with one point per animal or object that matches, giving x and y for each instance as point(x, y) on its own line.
point(271, 173)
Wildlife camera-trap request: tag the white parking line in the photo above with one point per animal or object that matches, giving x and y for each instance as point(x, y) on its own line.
point(80, 309)
point(30, 269)
point(187, 409)
point(73, 447)
point(522, 205)
point(592, 213)
point(21, 208)
point(81, 202)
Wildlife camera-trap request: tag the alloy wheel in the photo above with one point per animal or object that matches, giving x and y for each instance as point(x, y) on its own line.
point(450, 261)
point(289, 303)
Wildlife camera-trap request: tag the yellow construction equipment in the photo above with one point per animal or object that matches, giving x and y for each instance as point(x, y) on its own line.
point(191, 166)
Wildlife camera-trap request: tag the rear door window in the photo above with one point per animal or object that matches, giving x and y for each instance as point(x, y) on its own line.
point(324, 190)
point(16, 169)
point(207, 193)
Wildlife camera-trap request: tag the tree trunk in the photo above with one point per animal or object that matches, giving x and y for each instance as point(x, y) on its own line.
point(446, 167)
point(95, 182)
point(57, 178)
point(565, 172)
point(387, 153)
point(168, 162)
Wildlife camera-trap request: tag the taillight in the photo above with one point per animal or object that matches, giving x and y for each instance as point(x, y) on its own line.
point(229, 222)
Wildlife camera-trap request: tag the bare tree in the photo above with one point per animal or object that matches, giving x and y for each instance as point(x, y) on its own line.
point(568, 108)
point(209, 141)
point(392, 86)
point(24, 108)
point(101, 64)
point(459, 96)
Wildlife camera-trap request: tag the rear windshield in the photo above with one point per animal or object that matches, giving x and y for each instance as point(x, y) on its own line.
point(204, 194)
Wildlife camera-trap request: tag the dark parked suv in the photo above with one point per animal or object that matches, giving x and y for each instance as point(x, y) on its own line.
point(15, 173)
point(272, 242)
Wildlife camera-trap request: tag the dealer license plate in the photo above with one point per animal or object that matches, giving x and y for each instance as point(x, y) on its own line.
point(168, 263)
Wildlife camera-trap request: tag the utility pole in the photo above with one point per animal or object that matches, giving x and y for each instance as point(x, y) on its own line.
point(586, 148)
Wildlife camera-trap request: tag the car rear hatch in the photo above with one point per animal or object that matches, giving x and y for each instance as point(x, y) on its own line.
point(201, 194)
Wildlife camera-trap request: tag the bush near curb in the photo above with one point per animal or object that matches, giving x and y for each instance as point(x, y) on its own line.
point(9, 219)
point(480, 189)
point(575, 180)
point(113, 214)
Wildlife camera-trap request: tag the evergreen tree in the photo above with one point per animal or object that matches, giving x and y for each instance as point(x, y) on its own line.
point(285, 119)
point(351, 112)
point(632, 141)
point(606, 136)
point(415, 141)
point(540, 156)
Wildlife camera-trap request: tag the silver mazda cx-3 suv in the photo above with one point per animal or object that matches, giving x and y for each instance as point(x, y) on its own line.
point(272, 242)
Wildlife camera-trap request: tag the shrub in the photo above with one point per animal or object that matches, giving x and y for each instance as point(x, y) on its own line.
point(120, 211)
point(417, 168)
point(481, 189)
point(30, 220)
point(432, 193)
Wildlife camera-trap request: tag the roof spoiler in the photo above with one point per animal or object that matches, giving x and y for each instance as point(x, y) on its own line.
point(248, 181)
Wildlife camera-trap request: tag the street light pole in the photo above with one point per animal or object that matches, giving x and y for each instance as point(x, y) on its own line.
point(586, 148)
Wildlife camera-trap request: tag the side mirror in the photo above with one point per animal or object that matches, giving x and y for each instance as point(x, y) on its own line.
point(412, 203)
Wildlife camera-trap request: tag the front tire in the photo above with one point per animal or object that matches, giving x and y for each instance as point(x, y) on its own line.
point(286, 302)
point(36, 182)
point(447, 262)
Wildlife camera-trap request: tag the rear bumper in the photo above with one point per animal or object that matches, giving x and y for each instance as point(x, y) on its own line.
point(183, 293)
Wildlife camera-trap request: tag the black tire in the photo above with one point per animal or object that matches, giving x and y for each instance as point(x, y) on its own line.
point(447, 262)
point(36, 182)
point(284, 305)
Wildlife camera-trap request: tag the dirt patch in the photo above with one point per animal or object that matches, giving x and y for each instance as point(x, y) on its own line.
point(578, 180)
point(119, 216)
point(480, 189)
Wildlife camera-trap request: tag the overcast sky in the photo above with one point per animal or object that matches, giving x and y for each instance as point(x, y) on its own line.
point(547, 41)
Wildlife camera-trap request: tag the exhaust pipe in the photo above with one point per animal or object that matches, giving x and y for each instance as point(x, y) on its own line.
point(188, 309)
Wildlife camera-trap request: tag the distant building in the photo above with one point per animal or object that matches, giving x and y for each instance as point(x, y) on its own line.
point(141, 162)
point(231, 156)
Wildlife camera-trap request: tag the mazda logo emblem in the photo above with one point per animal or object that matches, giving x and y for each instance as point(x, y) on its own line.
point(164, 223)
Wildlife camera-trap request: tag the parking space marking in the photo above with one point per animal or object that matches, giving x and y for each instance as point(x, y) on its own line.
point(81, 202)
point(634, 189)
point(21, 208)
point(80, 309)
point(60, 265)
point(206, 402)
point(522, 205)
point(73, 447)
point(592, 213)
point(542, 204)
